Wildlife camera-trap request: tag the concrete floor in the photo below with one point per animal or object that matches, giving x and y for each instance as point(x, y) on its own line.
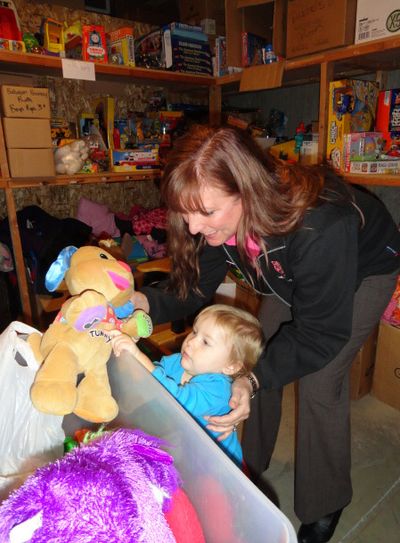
point(374, 514)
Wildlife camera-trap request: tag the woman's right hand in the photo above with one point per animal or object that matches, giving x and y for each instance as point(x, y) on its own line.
point(140, 301)
point(240, 403)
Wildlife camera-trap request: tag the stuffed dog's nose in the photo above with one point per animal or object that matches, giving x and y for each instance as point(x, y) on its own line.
point(124, 265)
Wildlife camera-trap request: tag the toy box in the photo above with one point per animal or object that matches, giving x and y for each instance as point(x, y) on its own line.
point(375, 20)
point(388, 167)
point(123, 136)
point(121, 47)
point(142, 157)
point(148, 50)
point(352, 108)
point(53, 37)
point(388, 113)
point(12, 45)
point(94, 46)
point(28, 102)
point(185, 51)
point(230, 507)
point(362, 146)
point(388, 120)
point(220, 67)
point(104, 109)
point(252, 46)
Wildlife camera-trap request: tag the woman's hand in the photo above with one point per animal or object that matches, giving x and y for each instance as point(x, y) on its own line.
point(140, 301)
point(240, 403)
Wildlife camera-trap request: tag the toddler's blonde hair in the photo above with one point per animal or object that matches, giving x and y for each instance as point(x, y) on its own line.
point(242, 329)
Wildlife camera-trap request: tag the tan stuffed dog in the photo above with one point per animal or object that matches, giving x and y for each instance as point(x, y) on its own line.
point(77, 342)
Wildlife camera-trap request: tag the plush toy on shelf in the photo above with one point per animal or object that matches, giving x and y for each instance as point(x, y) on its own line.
point(78, 341)
point(70, 158)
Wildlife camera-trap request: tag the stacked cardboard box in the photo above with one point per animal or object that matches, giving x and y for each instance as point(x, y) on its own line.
point(26, 125)
point(386, 382)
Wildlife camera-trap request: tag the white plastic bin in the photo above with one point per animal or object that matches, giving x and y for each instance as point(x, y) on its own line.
point(231, 509)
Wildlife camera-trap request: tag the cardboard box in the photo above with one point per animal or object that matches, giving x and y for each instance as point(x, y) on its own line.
point(375, 20)
point(362, 369)
point(142, 158)
point(374, 167)
point(351, 108)
point(121, 44)
point(386, 381)
point(31, 162)
point(309, 152)
point(27, 133)
point(362, 147)
point(388, 120)
point(29, 102)
point(317, 26)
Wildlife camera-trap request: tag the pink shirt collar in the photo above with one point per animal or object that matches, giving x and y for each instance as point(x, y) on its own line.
point(252, 248)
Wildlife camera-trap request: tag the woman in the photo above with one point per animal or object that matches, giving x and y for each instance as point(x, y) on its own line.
point(324, 256)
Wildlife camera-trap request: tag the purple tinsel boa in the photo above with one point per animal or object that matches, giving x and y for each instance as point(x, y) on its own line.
point(112, 490)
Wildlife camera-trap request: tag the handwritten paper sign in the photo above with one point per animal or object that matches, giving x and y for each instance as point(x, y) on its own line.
point(77, 69)
point(25, 102)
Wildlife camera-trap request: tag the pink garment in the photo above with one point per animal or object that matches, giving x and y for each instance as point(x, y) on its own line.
point(98, 216)
point(152, 247)
point(144, 220)
point(252, 248)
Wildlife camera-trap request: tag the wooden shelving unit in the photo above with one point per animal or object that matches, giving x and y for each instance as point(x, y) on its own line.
point(377, 56)
point(350, 61)
point(26, 63)
point(76, 179)
point(32, 63)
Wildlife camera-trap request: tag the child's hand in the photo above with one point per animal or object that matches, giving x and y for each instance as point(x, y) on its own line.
point(122, 342)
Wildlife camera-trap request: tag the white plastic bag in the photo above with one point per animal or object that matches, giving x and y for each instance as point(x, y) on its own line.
point(28, 438)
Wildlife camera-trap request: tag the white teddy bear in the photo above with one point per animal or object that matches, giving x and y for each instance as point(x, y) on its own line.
point(70, 158)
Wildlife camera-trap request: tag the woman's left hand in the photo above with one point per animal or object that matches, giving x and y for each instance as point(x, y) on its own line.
point(240, 403)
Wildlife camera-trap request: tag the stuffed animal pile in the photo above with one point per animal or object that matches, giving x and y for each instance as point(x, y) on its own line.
point(78, 341)
point(119, 488)
point(70, 158)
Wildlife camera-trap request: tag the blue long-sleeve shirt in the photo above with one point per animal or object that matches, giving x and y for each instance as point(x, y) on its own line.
point(206, 394)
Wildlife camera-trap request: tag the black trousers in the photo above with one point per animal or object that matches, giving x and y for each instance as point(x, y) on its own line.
point(323, 446)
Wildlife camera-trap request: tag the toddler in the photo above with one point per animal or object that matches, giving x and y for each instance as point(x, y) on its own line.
point(225, 343)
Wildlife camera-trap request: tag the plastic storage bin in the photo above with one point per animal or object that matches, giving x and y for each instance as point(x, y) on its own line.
point(231, 509)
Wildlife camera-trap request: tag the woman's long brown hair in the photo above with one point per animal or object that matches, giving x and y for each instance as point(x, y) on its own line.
point(275, 196)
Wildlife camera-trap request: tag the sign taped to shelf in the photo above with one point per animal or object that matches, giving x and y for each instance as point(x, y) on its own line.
point(263, 76)
point(78, 69)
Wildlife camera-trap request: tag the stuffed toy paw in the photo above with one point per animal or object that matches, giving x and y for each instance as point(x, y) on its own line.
point(77, 342)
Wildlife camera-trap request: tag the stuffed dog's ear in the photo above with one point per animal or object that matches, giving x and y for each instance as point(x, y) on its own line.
point(58, 269)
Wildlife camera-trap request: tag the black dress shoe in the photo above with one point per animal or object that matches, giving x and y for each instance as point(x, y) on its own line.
point(320, 531)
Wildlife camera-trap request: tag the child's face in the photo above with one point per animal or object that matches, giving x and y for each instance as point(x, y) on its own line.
point(206, 349)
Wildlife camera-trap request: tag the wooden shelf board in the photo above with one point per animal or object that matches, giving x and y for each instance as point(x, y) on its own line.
point(78, 179)
point(348, 61)
point(28, 62)
point(250, 3)
point(379, 180)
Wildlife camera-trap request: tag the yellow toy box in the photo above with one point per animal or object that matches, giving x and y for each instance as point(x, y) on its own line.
point(352, 108)
point(121, 47)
